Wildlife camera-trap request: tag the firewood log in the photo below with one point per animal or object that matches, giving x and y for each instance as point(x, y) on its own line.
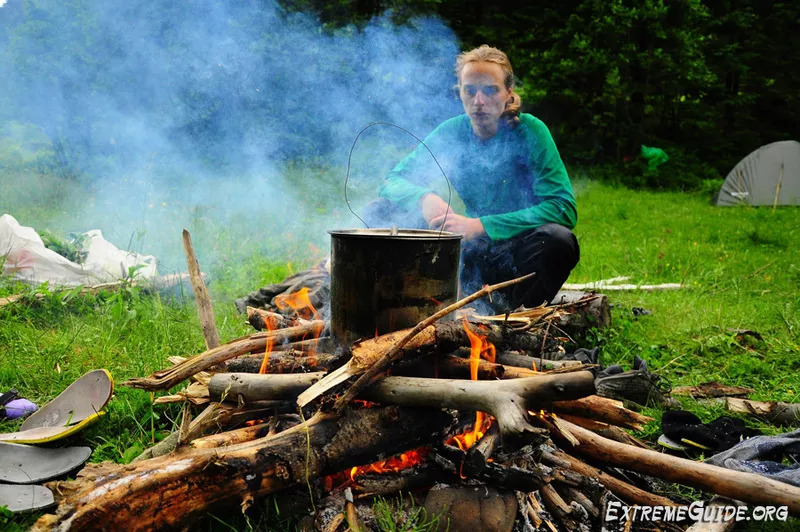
point(216, 416)
point(508, 477)
point(479, 454)
point(774, 412)
point(611, 432)
point(168, 492)
point(620, 488)
point(448, 335)
point(232, 437)
point(508, 401)
point(262, 319)
point(747, 487)
point(247, 387)
point(284, 361)
point(603, 409)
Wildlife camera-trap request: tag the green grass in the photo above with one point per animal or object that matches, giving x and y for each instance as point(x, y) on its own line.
point(740, 267)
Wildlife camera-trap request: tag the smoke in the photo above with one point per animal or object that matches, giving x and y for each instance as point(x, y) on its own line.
point(232, 119)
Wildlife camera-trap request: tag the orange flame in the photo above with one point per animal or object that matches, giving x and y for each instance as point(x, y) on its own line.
point(480, 347)
point(271, 326)
point(299, 302)
point(465, 440)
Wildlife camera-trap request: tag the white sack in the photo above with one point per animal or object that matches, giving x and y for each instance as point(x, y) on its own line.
point(24, 258)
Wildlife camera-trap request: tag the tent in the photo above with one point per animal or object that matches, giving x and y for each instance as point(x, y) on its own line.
point(768, 176)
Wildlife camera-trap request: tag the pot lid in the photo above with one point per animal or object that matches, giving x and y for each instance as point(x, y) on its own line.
point(396, 234)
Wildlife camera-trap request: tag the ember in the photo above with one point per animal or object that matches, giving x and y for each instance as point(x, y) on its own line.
point(394, 464)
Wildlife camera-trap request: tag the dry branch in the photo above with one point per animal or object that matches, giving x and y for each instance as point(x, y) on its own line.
point(774, 412)
point(620, 488)
point(167, 378)
point(711, 389)
point(207, 321)
point(232, 437)
point(508, 401)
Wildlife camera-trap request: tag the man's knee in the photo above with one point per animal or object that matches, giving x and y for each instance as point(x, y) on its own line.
point(562, 242)
point(552, 243)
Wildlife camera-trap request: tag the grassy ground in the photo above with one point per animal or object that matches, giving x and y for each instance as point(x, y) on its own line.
point(740, 267)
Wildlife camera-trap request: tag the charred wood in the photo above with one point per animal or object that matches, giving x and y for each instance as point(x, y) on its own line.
point(288, 361)
point(113, 497)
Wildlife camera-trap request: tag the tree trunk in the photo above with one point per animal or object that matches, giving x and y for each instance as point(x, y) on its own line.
point(166, 492)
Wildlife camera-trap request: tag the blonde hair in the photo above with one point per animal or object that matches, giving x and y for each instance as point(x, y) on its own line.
point(493, 55)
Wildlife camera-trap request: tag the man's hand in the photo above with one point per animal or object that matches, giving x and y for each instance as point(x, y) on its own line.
point(455, 223)
point(432, 207)
point(434, 210)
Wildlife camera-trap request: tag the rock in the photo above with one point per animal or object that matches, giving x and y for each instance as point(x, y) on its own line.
point(471, 508)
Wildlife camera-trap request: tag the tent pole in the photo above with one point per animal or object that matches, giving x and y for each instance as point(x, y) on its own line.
point(777, 190)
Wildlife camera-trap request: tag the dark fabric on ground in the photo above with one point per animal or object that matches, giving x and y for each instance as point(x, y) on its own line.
point(718, 435)
point(317, 280)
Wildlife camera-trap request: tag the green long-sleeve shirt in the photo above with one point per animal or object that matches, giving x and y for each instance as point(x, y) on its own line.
point(513, 182)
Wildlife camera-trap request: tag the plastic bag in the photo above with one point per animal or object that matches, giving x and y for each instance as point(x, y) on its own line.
point(25, 258)
point(655, 157)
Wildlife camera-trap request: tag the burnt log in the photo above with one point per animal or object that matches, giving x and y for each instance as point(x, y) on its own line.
point(168, 492)
point(284, 361)
point(479, 454)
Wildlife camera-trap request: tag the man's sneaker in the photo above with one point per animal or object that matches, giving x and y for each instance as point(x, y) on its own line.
point(637, 385)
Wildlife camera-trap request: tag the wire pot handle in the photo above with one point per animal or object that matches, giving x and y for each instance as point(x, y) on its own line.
point(350, 156)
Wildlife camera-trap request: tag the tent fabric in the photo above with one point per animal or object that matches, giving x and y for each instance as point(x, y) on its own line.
point(768, 176)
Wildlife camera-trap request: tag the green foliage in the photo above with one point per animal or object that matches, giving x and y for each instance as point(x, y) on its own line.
point(71, 249)
point(707, 81)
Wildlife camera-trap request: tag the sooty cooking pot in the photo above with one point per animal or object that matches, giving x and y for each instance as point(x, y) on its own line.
point(383, 280)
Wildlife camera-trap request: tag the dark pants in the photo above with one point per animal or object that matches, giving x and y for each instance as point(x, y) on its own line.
point(550, 250)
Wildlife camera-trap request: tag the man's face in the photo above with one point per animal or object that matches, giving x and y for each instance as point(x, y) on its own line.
point(484, 96)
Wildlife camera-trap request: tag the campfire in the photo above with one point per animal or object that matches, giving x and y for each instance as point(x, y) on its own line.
point(426, 411)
